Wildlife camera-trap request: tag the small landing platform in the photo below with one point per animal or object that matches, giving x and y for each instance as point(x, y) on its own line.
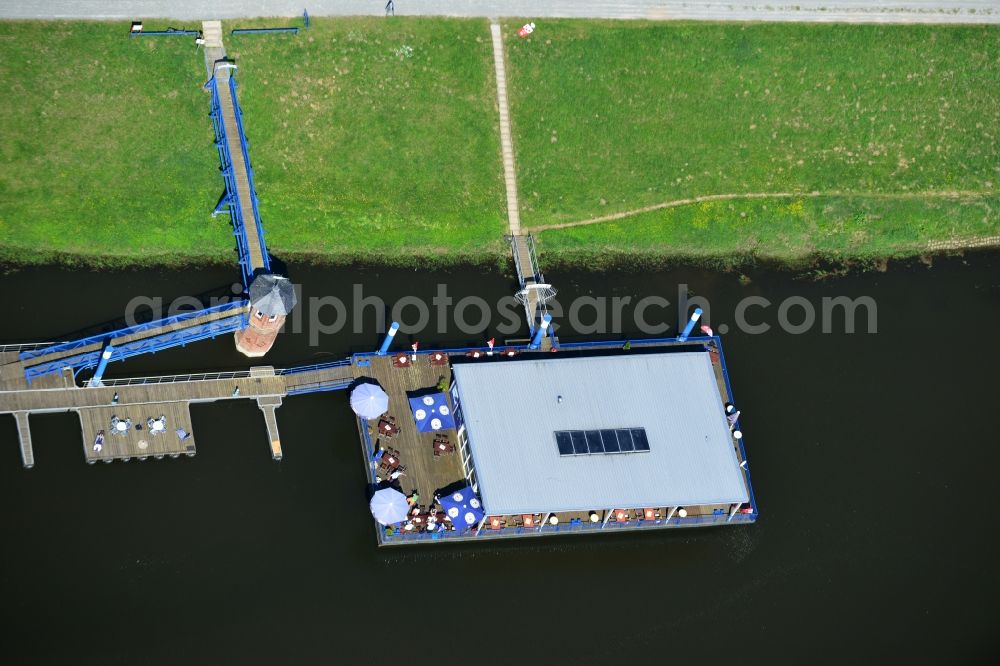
point(137, 443)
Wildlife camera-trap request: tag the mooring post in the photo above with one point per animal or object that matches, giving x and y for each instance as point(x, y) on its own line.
point(695, 316)
point(390, 334)
point(95, 381)
point(536, 342)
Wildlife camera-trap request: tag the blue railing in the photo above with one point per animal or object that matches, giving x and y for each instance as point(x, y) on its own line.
point(150, 345)
point(319, 387)
point(101, 338)
point(399, 536)
point(732, 398)
point(262, 31)
point(232, 193)
point(171, 32)
point(232, 190)
point(497, 351)
point(238, 113)
point(316, 366)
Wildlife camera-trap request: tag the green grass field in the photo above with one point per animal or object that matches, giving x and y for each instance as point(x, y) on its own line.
point(367, 138)
point(105, 147)
point(377, 139)
point(614, 117)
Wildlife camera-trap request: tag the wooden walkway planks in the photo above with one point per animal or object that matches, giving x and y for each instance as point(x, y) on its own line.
point(425, 473)
point(60, 400)
point(317, 379)
point(240, 171)
point(137, 443)
point(506, 137)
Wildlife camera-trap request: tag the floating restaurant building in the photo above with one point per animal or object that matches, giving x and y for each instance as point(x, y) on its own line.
point(597, 437)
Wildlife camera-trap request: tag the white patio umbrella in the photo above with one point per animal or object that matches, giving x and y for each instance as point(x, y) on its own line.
point(389, 506)
point(369, 401)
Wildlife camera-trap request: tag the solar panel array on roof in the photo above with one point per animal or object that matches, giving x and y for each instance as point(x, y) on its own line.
point(586, 442)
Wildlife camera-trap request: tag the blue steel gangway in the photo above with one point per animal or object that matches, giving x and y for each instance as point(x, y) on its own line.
point(240, 197)
point(149, 337)
point(534, 292)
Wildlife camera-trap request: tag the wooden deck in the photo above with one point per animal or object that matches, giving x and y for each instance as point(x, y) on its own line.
point(139, 402)
point(137, 443)
point(425, 473)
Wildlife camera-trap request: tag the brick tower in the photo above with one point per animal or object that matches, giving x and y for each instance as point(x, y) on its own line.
point(271, 299)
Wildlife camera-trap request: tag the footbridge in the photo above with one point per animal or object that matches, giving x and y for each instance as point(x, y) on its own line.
point(149, 417)
point(23, 366)
point(534, 292)
point(240, 197)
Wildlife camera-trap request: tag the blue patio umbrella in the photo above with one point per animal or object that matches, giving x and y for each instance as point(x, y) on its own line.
point(369, 401)
point(431, 412)
point(463, 507)
point(389, 506)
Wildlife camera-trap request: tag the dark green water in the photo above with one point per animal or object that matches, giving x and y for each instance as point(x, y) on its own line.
point(872, 455)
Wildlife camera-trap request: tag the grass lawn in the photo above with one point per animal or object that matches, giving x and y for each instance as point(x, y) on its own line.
point(375, 137)
point(105, 146)
point(368, 138)
point(613, 117)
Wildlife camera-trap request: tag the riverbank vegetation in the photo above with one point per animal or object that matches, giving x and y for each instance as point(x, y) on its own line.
point(376, 140)
point(850, 140)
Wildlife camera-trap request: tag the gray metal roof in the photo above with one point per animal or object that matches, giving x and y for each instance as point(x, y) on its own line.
point(511, 411)
point(272, 294)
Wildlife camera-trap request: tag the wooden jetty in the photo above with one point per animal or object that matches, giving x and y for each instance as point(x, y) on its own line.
point(141, 399)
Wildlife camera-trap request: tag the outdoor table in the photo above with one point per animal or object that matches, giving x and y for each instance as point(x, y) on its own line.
point(437, 358)
point(401, 361)
point(529, 520)
point(510, 352)
point(650, 514)
point(495, 523)
point(442, 446)
point(121, 426)
point(420, 520)
point(621, 515)
point(390, 462)
point(387, 428)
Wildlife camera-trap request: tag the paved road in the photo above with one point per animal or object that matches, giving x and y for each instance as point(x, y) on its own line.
point(855, 11)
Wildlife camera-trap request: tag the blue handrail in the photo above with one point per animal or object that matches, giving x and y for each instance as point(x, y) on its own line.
point(131, 330)
point(238, 113)
point(315, 366)
point(150, 345)
point(261, 31)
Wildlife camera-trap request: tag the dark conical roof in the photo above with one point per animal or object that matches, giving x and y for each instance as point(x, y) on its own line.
point(272, 294)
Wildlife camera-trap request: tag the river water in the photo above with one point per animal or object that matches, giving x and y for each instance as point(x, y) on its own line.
point(872, 457)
